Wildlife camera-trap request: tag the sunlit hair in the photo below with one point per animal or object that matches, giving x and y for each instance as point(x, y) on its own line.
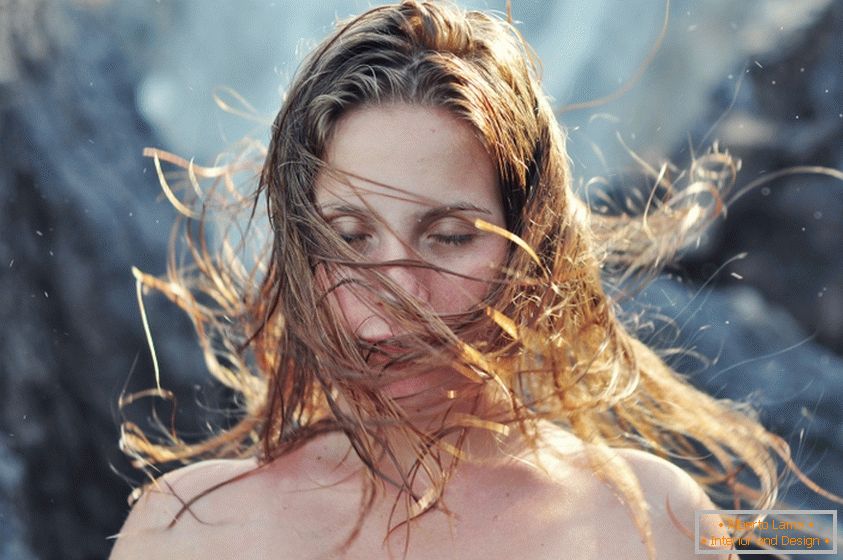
point(548, 333)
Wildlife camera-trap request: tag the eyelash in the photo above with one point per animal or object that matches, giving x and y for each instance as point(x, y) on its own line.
point(353, 238)
point(456, 239)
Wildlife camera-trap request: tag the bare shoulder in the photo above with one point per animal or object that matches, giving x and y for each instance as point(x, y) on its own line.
point(160, 526)
point(673, 497)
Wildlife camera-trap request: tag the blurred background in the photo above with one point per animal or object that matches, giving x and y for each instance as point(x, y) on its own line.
point(85, 85)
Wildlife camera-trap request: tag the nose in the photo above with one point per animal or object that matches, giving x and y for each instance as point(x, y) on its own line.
point(409, 278)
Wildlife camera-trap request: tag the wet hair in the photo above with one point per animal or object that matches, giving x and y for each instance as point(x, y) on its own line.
point(548, 333)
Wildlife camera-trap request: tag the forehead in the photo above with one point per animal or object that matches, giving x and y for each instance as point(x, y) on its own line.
point(412, 153)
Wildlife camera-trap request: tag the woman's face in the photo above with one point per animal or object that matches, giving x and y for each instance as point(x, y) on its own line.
point(410, 182)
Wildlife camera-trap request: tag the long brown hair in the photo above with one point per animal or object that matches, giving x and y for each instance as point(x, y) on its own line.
point(552, 336)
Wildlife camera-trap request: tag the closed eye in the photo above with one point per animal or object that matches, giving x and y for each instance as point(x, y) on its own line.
point(357, 241)
point(453, 239)
point(351, 238)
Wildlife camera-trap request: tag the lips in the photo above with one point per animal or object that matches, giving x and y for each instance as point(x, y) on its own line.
point(389, 349)
point(386, 344)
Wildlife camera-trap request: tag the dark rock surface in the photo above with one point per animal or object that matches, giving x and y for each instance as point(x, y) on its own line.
point(788, 112)
point(755, 351)
point(13, 538)
point(77, 209)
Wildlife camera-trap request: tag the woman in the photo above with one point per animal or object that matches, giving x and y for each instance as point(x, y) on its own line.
point(427, 361)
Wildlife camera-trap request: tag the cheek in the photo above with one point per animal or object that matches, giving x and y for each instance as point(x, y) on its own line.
point(350, 306)
point(451, 294)
point(456, 294)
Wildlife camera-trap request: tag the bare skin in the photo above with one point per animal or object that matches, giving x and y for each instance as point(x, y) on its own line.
point(412, 182)
point(303, 506)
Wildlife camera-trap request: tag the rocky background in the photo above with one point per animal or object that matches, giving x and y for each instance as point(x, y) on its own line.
point(86, 84)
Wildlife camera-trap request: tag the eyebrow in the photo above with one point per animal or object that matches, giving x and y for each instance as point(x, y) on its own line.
point(429, 215)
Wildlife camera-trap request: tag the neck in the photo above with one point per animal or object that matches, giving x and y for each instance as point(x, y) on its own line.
point(462, 441)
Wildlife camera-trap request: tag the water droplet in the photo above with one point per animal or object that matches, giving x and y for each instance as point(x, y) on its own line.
point(818, 215)
point(765, 191)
